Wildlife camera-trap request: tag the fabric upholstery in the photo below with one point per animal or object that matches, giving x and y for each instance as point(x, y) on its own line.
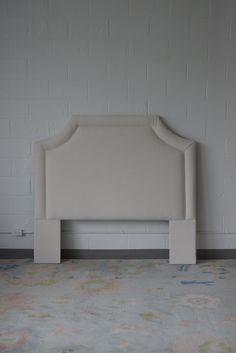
point(115, 168)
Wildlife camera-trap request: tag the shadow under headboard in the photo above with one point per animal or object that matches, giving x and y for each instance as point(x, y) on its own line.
point(115, 168)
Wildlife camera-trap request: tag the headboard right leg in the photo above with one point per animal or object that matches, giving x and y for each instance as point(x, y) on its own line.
point(182, 241)
point(47, 241)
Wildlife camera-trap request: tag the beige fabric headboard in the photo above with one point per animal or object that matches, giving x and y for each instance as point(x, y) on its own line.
point(115, 168)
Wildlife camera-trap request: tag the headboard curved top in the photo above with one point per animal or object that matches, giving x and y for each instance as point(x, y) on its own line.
point(115, 168)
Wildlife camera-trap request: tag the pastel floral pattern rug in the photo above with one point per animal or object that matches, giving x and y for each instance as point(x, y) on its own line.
point(117, 306)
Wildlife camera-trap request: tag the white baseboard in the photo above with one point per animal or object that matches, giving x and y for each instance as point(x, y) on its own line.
point(89, 241)
point(114, 241)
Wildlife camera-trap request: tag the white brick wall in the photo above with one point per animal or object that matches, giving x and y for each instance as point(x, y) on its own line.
point(175, 58)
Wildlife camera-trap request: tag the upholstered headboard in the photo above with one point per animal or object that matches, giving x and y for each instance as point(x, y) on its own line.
point(113, 168)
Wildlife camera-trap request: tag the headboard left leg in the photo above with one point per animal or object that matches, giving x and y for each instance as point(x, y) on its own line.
point(47, 241)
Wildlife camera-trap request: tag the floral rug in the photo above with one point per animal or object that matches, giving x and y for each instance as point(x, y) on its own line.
point(118, 306)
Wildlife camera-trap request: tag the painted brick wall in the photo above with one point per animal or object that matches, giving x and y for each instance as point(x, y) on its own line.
point(174, 58)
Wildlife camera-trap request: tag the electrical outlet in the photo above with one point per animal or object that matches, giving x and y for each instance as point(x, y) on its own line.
point(18, 233)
